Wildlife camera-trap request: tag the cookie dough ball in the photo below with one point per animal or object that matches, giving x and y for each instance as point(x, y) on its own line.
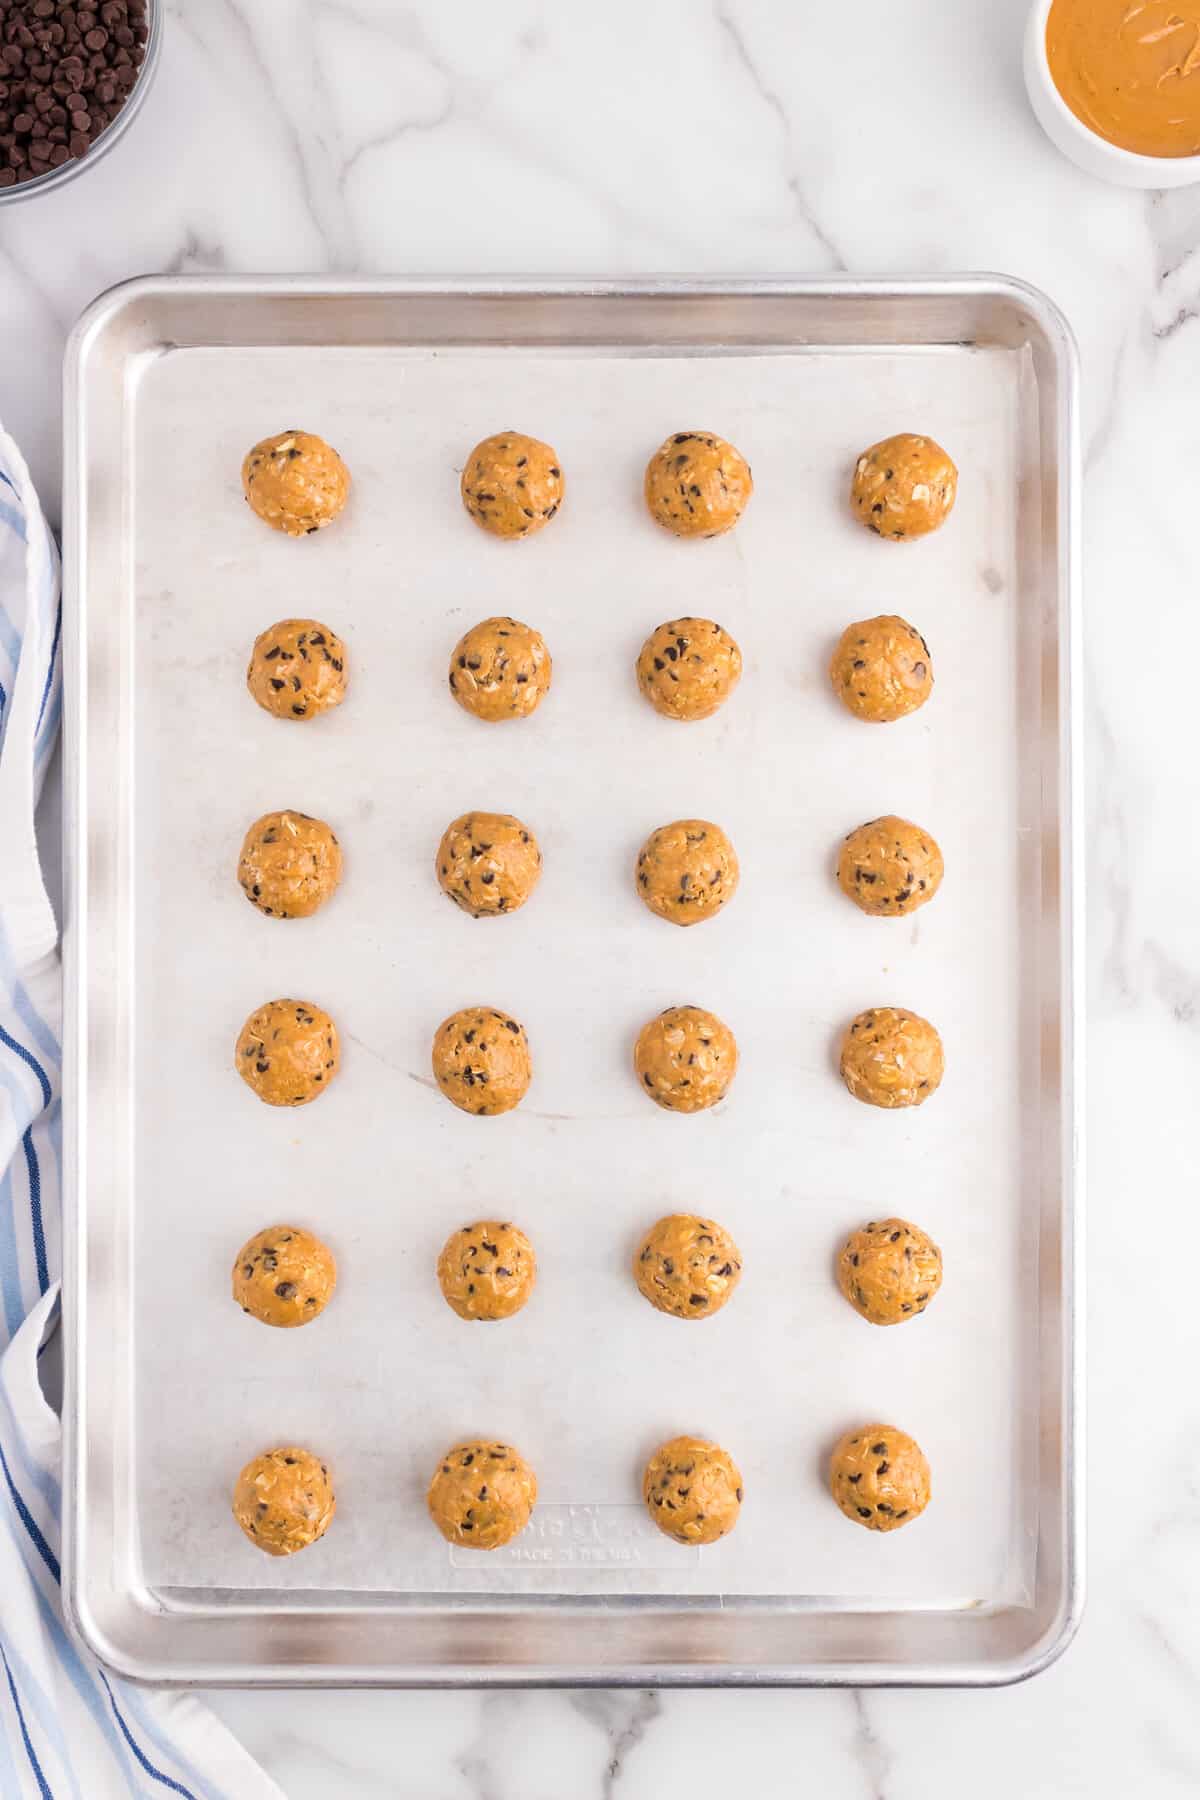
point(283, 1500)
point(881, 669)
point(487, 1270)
point(889, 866)
point(686, 1059)
point(697, 485)
point(688, 668)
point(288, 1052)
point(297, 669)
point(687, 1266)
point(687, 871)
point(891, 1057)
point(482, 1494)
point(512, 485)
point(284, 1276)
point(296, 482)
point(692, 1490)
point(289, 864)
point(889, 1271)
point(903, 487)
point(481, 1060)
point(500, 669)
point(879, 1477)
point(488, 863)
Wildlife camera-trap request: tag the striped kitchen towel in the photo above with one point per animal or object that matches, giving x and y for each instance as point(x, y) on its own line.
point(66, 1728)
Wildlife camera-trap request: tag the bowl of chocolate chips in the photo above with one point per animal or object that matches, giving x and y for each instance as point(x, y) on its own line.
point(72, 79)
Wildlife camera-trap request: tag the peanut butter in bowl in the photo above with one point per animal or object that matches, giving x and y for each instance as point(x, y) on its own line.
point(1130, 71)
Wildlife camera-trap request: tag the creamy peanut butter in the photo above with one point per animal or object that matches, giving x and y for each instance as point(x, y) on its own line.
point(1130, 69)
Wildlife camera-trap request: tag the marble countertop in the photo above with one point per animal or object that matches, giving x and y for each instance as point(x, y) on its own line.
point(363, 136)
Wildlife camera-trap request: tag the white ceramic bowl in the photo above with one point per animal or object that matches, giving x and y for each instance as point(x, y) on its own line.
point(1093, 154)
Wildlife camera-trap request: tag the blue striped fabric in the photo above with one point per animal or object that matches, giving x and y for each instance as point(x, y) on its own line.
point(66, 1728)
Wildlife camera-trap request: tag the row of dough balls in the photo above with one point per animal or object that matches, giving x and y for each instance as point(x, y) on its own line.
point(501, 669)
point(489, 864)
point(482, 1493)
point(688, 1267)
point(288, 1052)
point(696, 484)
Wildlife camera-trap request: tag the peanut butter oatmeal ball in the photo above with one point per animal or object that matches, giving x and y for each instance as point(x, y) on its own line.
point(284, 1276)
point(289, 864)
point(487, 1270)
point(903, 487)
point(889, 867)
point(482, 1494)
point(512, 485)
point(881, 669)
point(288, 1052)
point(685, 1059)
point(500, 669)
point(889, 1271)
point(692, 1490)
point(481, 1061)
point(891, 1057)
point(296, 482)
point(297, 669)
point(687, 871)
point(688, 668)
point(488, 863)
point(697, 485)
point(283, 1500)
point(687, 1266)
point(879, 1477)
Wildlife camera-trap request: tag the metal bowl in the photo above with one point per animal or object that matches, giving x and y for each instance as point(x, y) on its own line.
point(57, 178)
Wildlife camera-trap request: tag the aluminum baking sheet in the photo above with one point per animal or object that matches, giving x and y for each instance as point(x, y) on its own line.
point(172, 578)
